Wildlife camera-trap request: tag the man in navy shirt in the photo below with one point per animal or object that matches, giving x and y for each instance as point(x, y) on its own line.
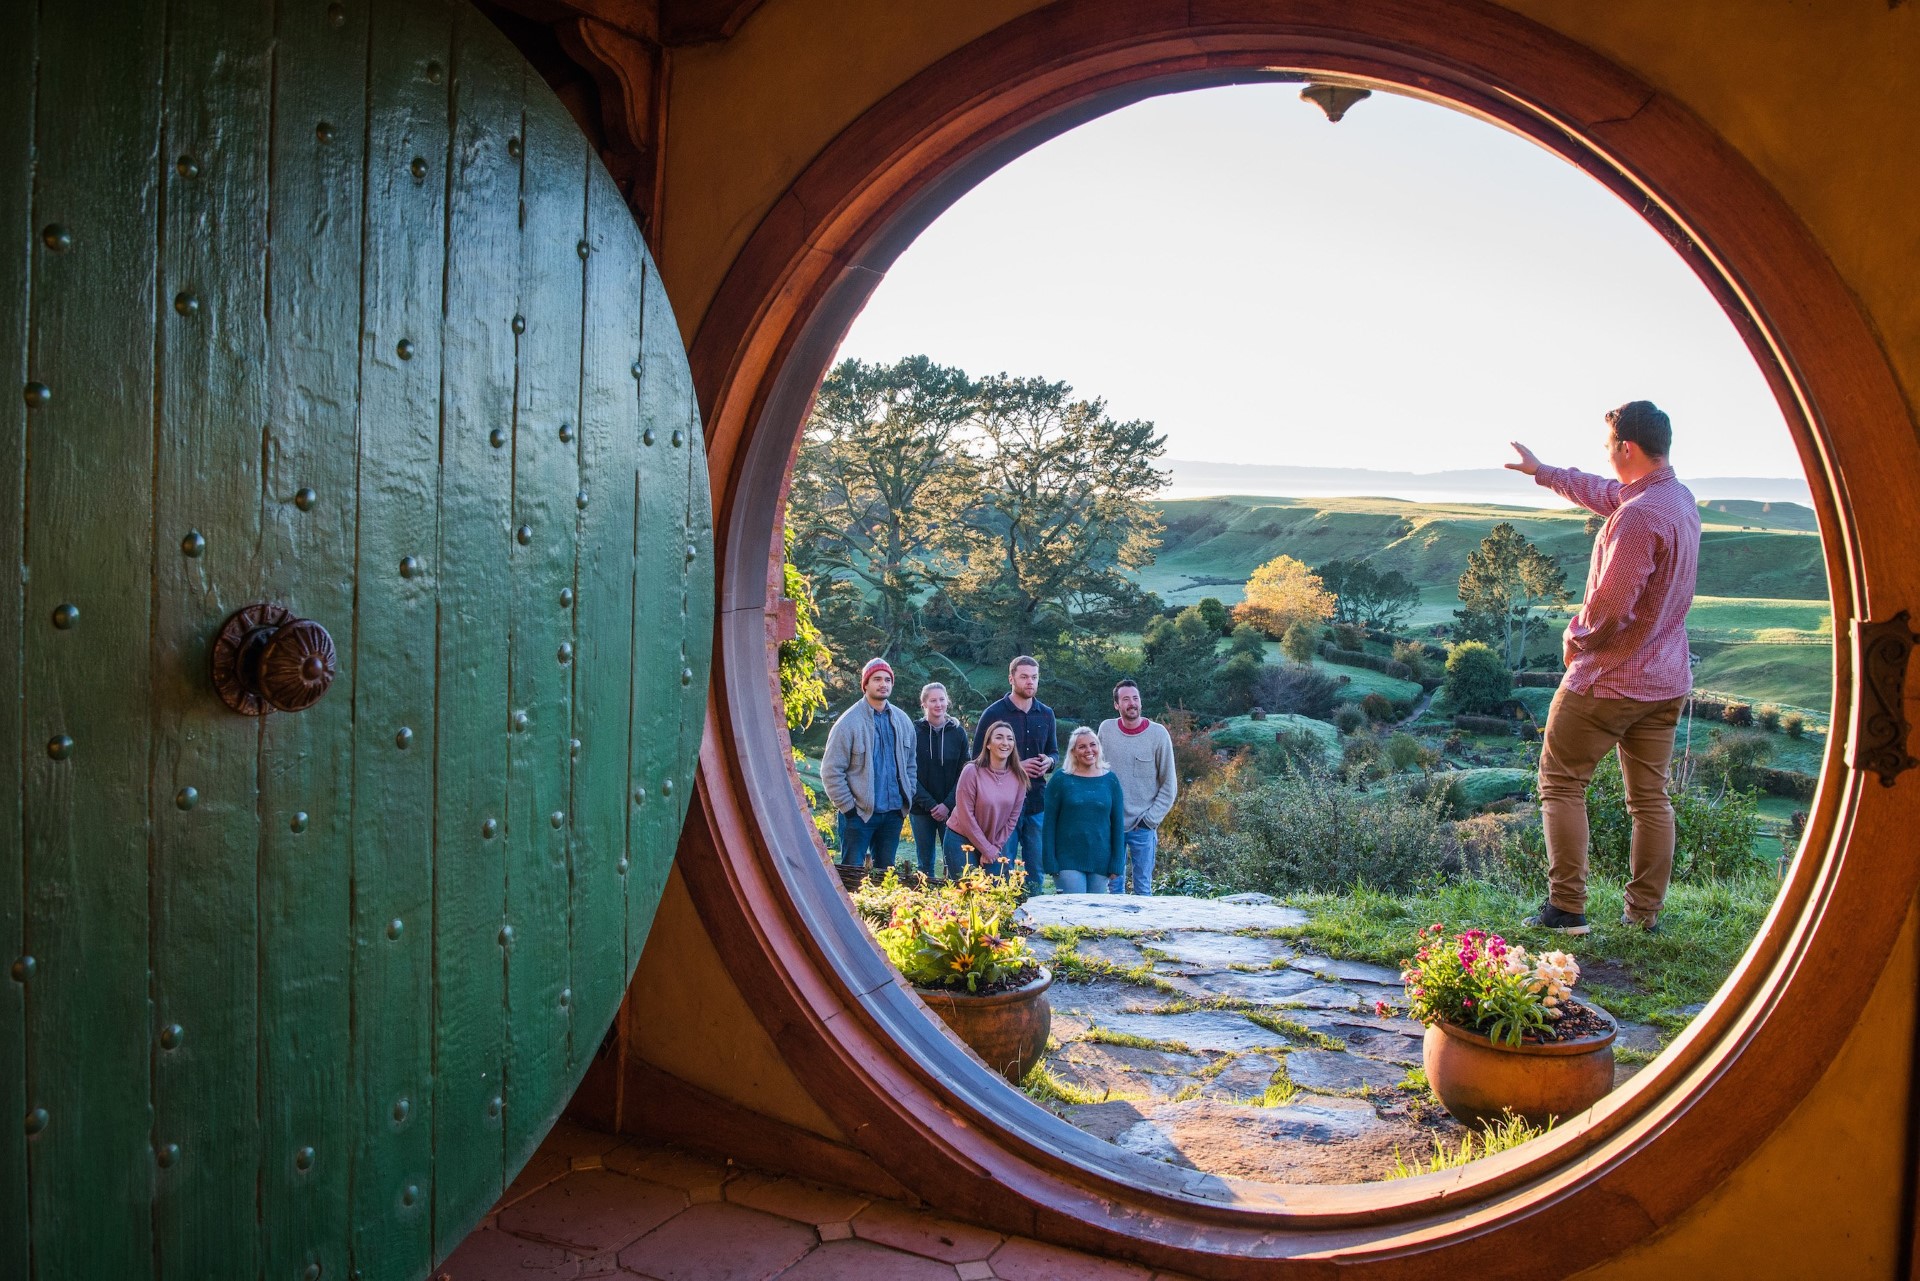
point(1037, 742)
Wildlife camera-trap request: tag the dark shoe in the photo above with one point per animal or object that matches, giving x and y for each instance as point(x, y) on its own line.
point(1552, 918)
point(1651, 925)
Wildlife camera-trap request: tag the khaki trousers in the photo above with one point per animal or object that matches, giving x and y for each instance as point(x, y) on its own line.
point(1581, 730)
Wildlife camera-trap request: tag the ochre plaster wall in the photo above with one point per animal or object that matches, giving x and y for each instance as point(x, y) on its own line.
point(1822, 98)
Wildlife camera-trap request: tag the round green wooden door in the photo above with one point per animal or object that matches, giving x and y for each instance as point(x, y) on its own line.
point(325, 305)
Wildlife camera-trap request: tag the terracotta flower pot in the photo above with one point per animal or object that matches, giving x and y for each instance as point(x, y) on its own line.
point(1008, 1030)
point(1478, 1079)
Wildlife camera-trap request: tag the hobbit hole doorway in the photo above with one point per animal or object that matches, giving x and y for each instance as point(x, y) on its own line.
point(773, 326)
point(1167, 1033)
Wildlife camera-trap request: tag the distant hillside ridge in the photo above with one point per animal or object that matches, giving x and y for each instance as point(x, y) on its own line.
point(1477, 484)
point(1748, 548)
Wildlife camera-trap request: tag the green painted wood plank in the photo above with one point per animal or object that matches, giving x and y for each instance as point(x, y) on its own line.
point(660, 564)
point(483, 246)
point(90, 452)
point(396, 635)
point(205, 833)
point(306, 764)
point(545, 481)
point(697, 611)
point(21, 243)
point(603, 623)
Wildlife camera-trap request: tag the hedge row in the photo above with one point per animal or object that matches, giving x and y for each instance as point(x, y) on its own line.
point(1484, 724)
point(1785, 782)
point(1538, 680)
point(1372, 662)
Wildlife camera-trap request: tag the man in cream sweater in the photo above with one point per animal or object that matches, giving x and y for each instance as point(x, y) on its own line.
point(1140, 753)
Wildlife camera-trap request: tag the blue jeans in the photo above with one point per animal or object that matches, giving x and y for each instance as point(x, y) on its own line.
point(929, 832)
point(1024, 845)
point(1141, 843)
point(880, 834)
point(1068, 881)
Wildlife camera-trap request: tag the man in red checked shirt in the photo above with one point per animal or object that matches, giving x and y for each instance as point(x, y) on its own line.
point(1628, 672)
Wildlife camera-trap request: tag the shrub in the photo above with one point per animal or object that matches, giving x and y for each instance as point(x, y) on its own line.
point(1477, 681)
point(1404, 752)
point(1794, 723)
point(1214, 610)
point(1349, 637)
point(1740, 714)
point(1360, 756)
point(1377, 706)
point(1768, 717)
point(1348, 719)
point(1308, 830)
point(1256, 713)
point(1791, 784)
point(1484, 724)
point(1413, 656)
point(1300, 691)
point(1734, 759)
point(1537, 680)
point(1236, 680)
point(1299, 642)
point(1508, 849)
point(1714, 832)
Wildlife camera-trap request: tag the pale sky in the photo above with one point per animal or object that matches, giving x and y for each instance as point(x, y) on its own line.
point(1408, 289)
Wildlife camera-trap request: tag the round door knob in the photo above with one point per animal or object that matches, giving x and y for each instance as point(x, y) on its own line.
point(266, 660)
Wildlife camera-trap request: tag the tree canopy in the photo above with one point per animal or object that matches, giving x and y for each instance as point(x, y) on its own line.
point(1507, 582)
point(1283, 592)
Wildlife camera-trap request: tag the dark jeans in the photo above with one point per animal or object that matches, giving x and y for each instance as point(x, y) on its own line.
point(928, 835)
point(880, 834)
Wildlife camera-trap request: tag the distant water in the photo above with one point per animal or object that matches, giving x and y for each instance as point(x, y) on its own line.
point(1194, 479)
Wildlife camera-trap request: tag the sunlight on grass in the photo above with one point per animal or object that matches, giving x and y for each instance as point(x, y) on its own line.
point(1098, 1035)
point(1493, 1137)
point(1704, 929)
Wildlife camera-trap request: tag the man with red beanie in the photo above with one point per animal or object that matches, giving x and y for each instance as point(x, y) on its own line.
point(869, 771)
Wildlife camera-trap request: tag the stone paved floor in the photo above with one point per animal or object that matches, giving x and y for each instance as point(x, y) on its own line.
point(596, 1205)
point(1199, 1040)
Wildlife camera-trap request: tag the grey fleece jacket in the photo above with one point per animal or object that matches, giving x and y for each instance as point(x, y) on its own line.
point(846, 770)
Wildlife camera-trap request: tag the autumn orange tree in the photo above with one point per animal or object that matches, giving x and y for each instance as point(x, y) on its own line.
point(1283, 592)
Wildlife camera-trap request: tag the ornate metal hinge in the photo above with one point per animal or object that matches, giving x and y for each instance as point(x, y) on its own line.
point(1879, 741)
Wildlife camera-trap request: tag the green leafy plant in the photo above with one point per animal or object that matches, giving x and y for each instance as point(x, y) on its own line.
point(1479, 981)
point(1494, 1136)
point(957, 935)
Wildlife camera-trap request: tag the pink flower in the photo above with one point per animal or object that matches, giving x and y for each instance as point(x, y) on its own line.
point(1381, 1009)
point(1467, 1001)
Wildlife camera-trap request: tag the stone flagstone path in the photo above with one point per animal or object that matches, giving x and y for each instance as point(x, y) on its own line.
point(1183, 1031)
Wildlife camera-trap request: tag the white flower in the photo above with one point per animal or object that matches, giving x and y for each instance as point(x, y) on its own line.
point(1556, 972)
point(1516, 961)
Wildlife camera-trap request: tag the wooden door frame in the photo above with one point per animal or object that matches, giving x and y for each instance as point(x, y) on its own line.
point(929, 1114)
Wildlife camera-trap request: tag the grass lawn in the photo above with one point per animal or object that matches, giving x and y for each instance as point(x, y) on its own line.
point(1642, 978)
point(1244, 731)
point(1796, 675)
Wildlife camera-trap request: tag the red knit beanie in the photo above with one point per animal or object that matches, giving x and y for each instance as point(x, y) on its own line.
point(874, 665)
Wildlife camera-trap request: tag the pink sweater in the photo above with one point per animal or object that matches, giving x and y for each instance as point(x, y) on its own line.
point(986, 807)
point(1629, 639)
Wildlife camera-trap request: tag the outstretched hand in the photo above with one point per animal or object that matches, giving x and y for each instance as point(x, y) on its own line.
point(1528, 463)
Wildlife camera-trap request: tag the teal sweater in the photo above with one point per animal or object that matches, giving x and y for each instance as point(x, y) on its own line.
point(1084, 824)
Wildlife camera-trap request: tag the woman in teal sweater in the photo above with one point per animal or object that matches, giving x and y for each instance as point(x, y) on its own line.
point(1083, 833)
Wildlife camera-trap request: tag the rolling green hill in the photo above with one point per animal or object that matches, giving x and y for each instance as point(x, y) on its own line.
point(1211, 545)
point(1761, 621)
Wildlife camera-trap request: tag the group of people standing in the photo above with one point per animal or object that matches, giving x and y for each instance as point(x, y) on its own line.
point(1003, 796)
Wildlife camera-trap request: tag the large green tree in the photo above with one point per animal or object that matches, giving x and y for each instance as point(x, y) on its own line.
point(879, 481)
point(1058, 516)
point(1507, 585)
point(1363, 594)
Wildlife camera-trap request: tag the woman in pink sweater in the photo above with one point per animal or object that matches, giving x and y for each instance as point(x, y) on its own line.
point(988, 798)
